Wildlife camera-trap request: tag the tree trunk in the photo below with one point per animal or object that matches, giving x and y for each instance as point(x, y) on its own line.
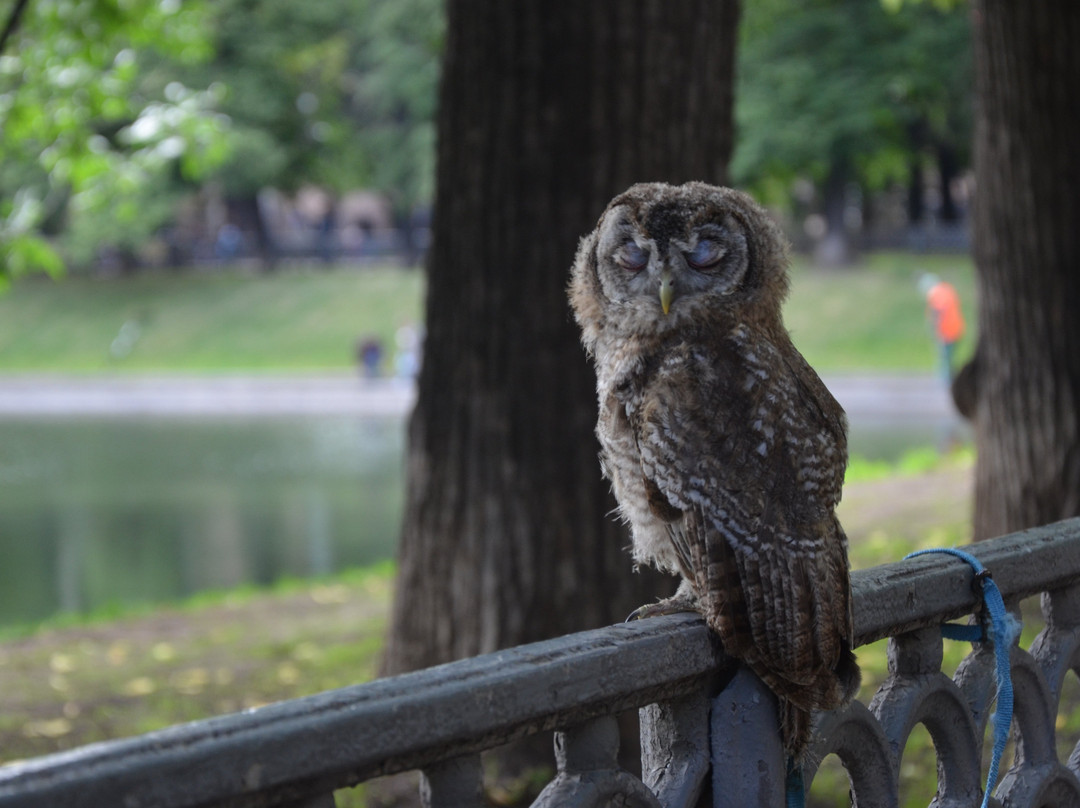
point(916, 196)
point(1026, 380)
point(835, 248)
point(916, 205)
point(948, 168)
point(547, 109)
point(245, 213)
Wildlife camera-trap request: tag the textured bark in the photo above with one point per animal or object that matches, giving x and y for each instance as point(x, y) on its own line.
point(835, 248)
point(1026, 383)
point(948, 169)
point(547, 109)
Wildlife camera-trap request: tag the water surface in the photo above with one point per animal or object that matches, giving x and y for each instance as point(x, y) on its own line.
point(100, 510)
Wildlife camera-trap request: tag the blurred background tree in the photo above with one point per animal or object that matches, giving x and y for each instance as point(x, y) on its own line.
point(840, 103)
point(85, 130)
point(113, 114)
point(1022, 389)
point(853, 99)
point(337, 94)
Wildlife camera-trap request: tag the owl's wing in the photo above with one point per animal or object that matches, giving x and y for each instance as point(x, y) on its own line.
point(747, 448)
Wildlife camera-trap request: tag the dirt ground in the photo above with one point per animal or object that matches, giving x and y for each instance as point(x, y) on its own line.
point(910, 507)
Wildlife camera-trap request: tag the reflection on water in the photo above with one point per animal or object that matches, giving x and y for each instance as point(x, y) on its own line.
point(98, 510)
point(94, 511)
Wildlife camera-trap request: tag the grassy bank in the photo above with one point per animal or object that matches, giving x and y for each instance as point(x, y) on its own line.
point(228, 320)
point(869, 317)
point(75, 681)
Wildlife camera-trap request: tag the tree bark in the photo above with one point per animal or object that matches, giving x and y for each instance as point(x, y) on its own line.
point(948, 169)
point(916, 204)
point(547, 109)
point(244, 211)
point(1026, 380)
point(14, 17)
point(835, 248)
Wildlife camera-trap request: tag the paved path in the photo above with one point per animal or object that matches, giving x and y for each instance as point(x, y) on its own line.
point(203, 395)
point(889, 397)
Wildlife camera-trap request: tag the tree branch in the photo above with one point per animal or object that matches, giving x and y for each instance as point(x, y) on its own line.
point(12, 24)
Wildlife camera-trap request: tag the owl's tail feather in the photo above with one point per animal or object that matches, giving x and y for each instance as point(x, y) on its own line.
point(795, 727)
point(848, 676)
point(834, 689)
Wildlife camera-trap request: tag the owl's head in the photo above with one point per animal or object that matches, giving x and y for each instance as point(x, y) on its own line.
point(664, 258)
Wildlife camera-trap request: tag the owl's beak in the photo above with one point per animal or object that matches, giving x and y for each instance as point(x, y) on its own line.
point(667, 291)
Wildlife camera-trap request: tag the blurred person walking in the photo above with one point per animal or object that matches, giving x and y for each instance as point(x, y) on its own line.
point(945, 318)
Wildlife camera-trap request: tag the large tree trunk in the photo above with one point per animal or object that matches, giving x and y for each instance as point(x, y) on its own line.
point(948, 169)
point(547, 109)
point(835, 248)
point(1024, 388)
point(245, 213)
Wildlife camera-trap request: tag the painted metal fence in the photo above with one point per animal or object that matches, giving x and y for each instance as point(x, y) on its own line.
point(708, 727)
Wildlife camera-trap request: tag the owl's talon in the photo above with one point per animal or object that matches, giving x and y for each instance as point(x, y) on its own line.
point(637, 614)
point(674, 605)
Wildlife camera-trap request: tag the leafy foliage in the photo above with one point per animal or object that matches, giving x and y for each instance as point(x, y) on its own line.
point(80, 127)
point(111, 111)
point(338, 93)
point(827, 81)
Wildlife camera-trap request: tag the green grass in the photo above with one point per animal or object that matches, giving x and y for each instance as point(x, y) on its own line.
point(292, 319)
point(67, 683)
point(911, 463)
point(865, 318)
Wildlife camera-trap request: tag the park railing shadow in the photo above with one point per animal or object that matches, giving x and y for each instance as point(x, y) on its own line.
point(708, 727)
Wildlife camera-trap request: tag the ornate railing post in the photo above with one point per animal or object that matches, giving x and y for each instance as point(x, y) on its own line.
point(454, 783)
point(747, 757)
point(855, 736)
point(675, 750)
point(917, 692)
point(1037, 778)
point(589, 775)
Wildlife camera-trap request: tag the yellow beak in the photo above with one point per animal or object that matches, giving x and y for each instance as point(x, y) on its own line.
point(667, 292)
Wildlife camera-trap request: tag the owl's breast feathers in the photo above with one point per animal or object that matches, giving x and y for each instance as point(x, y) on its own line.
point(742, 453)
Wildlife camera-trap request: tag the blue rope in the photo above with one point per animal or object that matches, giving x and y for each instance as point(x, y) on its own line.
point(796, 793)
point(1004, 629)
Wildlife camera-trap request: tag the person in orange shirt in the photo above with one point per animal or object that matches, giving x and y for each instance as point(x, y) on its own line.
point(945, 317)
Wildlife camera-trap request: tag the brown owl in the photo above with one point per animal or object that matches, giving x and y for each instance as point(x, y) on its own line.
point(725, 450)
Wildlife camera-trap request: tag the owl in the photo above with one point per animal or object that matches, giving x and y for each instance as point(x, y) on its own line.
point(724, 449)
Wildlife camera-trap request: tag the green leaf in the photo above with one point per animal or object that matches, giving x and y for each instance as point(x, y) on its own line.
point(28, 253)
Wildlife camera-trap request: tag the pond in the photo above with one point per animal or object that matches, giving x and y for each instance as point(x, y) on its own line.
point(102, 510)
point(96, 511)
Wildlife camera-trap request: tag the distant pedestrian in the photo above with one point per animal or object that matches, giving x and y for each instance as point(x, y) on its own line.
point(945, 318)
point(369, 352)
point(408, 339)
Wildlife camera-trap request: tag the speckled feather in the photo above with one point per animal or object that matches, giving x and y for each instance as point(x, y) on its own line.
point(725, 451)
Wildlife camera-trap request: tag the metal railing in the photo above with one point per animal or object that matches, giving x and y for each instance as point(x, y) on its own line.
point(708, 727)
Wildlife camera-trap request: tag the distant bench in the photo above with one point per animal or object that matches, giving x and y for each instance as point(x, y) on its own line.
point(707, 726)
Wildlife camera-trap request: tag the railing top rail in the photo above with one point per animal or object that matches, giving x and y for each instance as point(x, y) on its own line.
point(894, 598)
point(318, 743)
